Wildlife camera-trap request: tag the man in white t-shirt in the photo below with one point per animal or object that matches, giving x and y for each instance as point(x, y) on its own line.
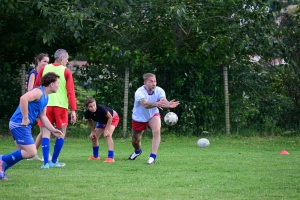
point(147, 100)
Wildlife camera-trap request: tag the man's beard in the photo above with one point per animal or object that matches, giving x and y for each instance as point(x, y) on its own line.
point(152, 88)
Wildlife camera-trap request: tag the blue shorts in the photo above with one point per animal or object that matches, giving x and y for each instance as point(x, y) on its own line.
point(99, 125)
point(115, 122)
point(22, 135)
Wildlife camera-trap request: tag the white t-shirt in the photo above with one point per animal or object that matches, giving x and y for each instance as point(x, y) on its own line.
point(139, 112)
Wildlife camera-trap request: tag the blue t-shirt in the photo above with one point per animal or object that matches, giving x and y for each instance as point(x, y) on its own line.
point(33, 71)
point(34, 110)
point(139, 112)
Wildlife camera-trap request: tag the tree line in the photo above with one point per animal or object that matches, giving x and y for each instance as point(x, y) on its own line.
point(185, 43)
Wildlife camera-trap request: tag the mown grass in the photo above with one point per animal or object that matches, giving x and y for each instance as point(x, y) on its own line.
point(231, 168)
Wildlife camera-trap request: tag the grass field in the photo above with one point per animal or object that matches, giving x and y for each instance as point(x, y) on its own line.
point(230, 168)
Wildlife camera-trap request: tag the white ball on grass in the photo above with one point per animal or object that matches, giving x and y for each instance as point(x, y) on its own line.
point(203, 143)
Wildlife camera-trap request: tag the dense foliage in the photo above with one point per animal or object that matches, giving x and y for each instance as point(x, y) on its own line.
point(185, 43)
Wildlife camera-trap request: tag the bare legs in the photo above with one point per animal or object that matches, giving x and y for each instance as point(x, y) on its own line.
point(155, 125)
point(109, 140)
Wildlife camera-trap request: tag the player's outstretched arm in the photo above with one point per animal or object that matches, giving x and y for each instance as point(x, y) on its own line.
point(173, 104)
point(147, 104)
point(169, 104)
point(48, 125)
point(28, 97)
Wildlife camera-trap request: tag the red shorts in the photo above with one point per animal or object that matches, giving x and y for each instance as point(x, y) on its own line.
point(141, 126)
point(115, 121)
point(56, 115)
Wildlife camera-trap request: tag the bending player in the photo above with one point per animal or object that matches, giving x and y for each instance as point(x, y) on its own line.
point(106, 121)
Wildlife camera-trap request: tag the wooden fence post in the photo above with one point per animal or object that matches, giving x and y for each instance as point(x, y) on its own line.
point(227, 121)
point(125, 114)
point(23, 78)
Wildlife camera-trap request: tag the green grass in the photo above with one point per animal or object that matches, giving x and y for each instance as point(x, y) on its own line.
point(231, 168)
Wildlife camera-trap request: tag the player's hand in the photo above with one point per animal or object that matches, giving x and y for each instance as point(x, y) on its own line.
point(165, 103)
point(106, 133)
point(92, 135)
point(25, 122)
point(173, 103)
point(161, 104)
point(58, 133)
point(73, 117)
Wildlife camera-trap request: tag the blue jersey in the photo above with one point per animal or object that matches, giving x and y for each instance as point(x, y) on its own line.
point(34, 110)
point(33, 71)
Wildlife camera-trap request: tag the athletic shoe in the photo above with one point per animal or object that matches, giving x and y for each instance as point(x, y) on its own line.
point(133, 156)
point(57, 164)
point(2, 165)
point(93, 158)
point(45, 166)
point(36, 157)
point(109, 160)
point(2, 169)
point(3, 177)
point(49, 158)
point(151, 161)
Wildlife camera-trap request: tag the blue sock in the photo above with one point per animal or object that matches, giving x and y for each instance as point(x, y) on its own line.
point(12, 158)
point(59, 143)
point(96, 151)
point(138, 151)
point(110, 154)
point(153, 155)
point(46, 149)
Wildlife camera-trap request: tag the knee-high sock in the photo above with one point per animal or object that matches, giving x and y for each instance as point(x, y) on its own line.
point(46, 149)
point(110, 154)
point(96, 151)
point(12, 158)
point(59, 143)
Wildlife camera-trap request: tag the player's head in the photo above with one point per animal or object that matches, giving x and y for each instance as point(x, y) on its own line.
point(149, 81)
point(40, 61)
point(61, 56)
point(90, 104)
point(50, 80)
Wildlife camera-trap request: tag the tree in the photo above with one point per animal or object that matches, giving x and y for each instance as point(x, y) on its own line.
point(185, 43)
point(161, 36)
point(23, 35)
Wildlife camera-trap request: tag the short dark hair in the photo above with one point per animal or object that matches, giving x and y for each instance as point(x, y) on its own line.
point(147, 75)
point(49, 78)
point(88, 101)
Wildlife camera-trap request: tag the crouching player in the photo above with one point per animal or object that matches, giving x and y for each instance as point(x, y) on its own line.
point(106, 121)
point(32, 105)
